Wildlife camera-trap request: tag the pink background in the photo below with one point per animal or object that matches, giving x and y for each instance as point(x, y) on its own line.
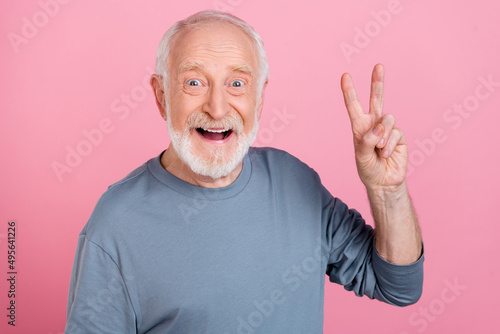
point(70, 72)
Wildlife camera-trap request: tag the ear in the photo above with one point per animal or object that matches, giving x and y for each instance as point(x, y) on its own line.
point(261, 102)
point(156, 83)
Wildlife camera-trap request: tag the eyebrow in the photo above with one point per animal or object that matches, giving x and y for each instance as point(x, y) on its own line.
point(193, 65)
point(241, 68)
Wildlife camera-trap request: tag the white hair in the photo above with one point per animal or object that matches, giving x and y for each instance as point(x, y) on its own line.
point(202, 18)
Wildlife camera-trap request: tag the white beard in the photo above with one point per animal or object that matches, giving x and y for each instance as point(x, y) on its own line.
point(218, 164)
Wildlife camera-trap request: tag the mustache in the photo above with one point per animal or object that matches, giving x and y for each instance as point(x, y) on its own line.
point(204, 120)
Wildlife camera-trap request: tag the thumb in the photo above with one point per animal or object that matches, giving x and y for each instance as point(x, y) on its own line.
point(370, 139)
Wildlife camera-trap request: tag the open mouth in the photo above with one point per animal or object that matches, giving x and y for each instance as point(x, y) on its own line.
point(214, 134)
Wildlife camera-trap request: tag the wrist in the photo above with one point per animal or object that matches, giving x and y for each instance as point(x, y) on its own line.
point(387, 192)
point(388, 197)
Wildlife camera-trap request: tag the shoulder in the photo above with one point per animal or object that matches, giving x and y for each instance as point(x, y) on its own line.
point(130, 177)
point(275, 156)
point(117, 206)
point(129, 187)
point(280, 160)
point(283, 166)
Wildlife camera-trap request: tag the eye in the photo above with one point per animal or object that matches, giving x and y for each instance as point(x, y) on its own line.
point(237, 83)
point(194, 82)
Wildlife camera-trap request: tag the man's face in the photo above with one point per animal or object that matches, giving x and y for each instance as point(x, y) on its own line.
point(213, 98)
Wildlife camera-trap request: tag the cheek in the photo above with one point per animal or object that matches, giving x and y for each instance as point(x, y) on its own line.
point(247, 110)
point(180, 109)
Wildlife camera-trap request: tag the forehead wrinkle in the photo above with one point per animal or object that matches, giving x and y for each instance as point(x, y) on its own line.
point(194, 58)
point(238, 56)
point(231, 51)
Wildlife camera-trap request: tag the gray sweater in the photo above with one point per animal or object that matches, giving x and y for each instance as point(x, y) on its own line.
point(159, 255)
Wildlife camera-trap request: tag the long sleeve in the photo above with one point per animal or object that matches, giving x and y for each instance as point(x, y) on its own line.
point(355, 264)
point(98, 299)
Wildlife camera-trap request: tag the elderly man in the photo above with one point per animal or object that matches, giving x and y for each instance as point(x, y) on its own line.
point(213, 236)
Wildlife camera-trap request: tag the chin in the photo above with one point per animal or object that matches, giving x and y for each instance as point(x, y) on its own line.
point(217, 163)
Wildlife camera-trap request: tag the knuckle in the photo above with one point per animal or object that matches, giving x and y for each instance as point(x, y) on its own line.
point(390, 119)
point(402, 136)
point(395, 135)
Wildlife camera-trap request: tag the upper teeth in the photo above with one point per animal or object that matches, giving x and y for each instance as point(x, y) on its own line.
point(217, 131)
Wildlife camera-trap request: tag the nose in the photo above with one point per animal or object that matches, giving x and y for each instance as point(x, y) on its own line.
point(216, 103)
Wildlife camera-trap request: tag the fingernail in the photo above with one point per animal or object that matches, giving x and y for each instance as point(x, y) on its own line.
point(377, 130)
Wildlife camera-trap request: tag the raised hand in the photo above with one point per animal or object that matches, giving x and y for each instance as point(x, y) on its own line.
point(380, 147)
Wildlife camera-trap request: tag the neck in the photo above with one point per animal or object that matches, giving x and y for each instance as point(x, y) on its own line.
point(175, 166)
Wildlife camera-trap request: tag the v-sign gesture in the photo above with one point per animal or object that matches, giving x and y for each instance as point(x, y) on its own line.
point(380, 147)
point(381, 157)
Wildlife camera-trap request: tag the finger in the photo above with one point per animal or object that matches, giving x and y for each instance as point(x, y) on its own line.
point(388, 121)
point(396, 138)
point(370, 139)
point(350, 98)
point(377, 91)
